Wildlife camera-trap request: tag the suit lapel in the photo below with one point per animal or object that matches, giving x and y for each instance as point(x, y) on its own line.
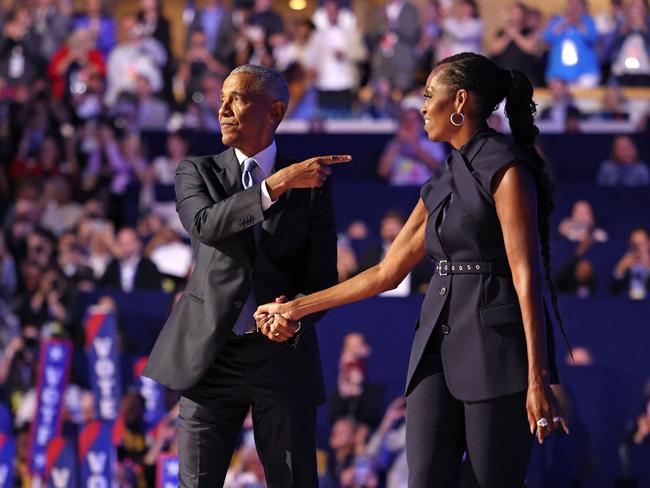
point(226, 169)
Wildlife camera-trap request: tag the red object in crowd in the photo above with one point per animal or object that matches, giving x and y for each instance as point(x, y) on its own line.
point(95, 58)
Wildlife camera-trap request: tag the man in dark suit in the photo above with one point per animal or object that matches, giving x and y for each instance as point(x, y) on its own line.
point(261, 228)
point(130, 270)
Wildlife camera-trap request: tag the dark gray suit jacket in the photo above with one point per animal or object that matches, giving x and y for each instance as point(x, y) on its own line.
point(296, 254)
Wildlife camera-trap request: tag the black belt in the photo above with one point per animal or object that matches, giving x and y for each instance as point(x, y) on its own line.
point(445, 267)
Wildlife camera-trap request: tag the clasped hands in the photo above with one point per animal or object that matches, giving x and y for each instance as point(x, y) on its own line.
point(274, 322)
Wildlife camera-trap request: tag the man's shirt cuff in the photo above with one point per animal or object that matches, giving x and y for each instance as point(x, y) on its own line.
point(266, 198)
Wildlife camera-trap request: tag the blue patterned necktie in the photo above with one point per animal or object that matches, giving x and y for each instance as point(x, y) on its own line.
point(245, 322)
point(249, 169)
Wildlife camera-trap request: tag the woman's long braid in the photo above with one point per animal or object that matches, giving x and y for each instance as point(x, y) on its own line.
point(520, 110)
point(490, 85)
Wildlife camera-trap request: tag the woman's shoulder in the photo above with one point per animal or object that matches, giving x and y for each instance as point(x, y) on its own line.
point(498, 152)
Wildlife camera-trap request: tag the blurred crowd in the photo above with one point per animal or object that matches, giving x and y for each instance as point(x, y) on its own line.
point(85, 209)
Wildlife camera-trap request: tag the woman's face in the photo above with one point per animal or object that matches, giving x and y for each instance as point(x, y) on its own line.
point(437, 108)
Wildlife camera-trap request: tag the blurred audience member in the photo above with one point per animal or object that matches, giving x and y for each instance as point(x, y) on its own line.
point(342, 451)
point(137, 54)
point(153, 113)
point(44, 162)
point(581, 224)
point(294, 57)
point(378, 101)
point(48, 297)
point(60, 212)
point(269, 20)
point(171, 256)
point(129, 270)
point(608, 22)
point(74, 64)
point(624, 168)
point(576, 275)
point(355, 396)
point(562, 106)
point(613, 105)
point(19, 51)
point(410, 158)
point(387, 446)
point(18, 367)
point(196, 63)
point(396, 37)
point(154, 24)
point(462, 30)
point(51, 25)
point(113, 168)
point(101, 25)
point(132, 445)
point(215, 21)
point(572, 41)
point(429, 38)
point(417, 280)
point(157, 193)
point(516, 46)
point(340, 49)
point(631, 46)
point(639, 433)
point(346, 259)
point(632, 272)
point(8, 272)
point(72, 262)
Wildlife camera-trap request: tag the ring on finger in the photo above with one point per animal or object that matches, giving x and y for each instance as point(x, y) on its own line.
point(557, 419)
point(542, 422)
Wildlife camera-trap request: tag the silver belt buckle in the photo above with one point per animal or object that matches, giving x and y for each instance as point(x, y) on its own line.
point(440, 264)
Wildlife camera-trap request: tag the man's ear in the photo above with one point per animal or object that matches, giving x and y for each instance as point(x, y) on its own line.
point(276, 114)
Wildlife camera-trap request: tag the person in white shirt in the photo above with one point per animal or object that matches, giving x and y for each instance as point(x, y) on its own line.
point(129, 270)
point(340, 49)
point(137, 55)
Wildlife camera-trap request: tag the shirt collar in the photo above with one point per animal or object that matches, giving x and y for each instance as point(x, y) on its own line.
point(265, 158)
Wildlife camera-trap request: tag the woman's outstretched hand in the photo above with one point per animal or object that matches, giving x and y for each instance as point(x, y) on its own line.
point(544, 412)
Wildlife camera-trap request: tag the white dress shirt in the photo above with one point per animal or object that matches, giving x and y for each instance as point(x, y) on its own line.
point(128, 268)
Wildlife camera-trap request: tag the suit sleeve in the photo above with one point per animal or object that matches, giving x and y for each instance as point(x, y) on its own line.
point(321, 255)
point(209, 220)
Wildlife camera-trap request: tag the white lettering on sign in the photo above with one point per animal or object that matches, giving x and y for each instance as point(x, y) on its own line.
point(105, 371)
point(60, 477)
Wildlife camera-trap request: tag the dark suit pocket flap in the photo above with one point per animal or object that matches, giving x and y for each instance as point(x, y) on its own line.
point(502, 314)
point(193, 297)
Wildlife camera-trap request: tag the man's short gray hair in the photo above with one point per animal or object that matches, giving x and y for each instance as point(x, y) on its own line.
point(267, 80)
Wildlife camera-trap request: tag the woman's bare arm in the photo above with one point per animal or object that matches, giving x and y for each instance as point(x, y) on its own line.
point(516, 204)
point(405, 252)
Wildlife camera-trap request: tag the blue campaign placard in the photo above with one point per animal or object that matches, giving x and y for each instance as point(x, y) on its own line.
point(103, 362)
point(53, 373)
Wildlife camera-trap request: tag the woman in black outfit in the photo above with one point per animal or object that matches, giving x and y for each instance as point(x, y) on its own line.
point(482, 359)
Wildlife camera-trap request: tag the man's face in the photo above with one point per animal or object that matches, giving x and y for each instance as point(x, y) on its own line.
point(390, 228)
point(247, 116)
